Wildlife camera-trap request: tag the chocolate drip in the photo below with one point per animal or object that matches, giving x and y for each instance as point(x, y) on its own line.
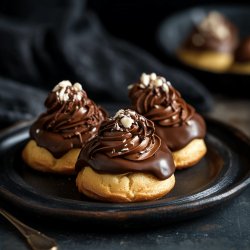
point(175, 121)
point(178, 137)
point(121, 149)
point(70, 121)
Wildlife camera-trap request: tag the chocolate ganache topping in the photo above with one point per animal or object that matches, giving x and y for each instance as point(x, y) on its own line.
point(176, 122)
point(215, 32)
point(70, 121)
point(127, 143)
point(242, 53)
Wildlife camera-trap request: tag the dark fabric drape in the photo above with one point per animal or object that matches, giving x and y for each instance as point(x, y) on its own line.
point(44, 42)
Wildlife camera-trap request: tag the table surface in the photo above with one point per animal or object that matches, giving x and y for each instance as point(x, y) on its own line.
point(225, 228)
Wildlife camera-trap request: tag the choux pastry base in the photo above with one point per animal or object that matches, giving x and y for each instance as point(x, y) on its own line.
point(190, 154)
point(207, 60)
point(42, 160)
point(240, 68)
point(129, 187)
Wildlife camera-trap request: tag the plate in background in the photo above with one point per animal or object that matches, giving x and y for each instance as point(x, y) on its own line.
point(174, 30)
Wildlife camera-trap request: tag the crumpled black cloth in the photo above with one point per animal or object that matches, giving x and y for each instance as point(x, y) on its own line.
point(44, 42)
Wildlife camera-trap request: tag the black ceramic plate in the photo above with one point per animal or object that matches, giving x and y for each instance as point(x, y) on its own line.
point(175, 29)
point(222, 174)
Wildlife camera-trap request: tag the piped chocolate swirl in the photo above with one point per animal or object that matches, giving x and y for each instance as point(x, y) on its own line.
point(70, 121)
point(127, 143)
point(176, 122)
point(215, 32)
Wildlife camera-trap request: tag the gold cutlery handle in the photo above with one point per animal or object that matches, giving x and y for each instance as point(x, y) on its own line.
point(35, 239)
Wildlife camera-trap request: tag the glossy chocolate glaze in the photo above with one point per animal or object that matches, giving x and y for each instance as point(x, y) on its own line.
point(176, 122)
point(242, 53)
point(70, 121)
point(214, 33)
point(178, 137)
point(120, 149)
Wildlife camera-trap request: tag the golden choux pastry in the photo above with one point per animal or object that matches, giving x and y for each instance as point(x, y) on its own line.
point(56, 137)
point(128, 187)
point(177, 123)
point(211, 44)
point(41, 159)
point(190, 154)
point(126, 162)
point(206, 60)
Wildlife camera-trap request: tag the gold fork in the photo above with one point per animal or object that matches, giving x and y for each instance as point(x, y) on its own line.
point(35, 239)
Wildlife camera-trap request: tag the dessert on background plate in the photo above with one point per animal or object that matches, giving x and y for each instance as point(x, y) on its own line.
point(211, 43)
point(241, 64)
point(176, 122)
point(125, 162)
point(57, 136)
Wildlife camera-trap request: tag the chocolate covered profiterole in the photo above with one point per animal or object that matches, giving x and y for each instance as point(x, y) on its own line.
point(126, 162)
point(211, 44)
point(56, 137)
point(176, 122)
point(241, 63)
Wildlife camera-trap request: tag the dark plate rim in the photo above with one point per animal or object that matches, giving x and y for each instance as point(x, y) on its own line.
point(126, 213)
